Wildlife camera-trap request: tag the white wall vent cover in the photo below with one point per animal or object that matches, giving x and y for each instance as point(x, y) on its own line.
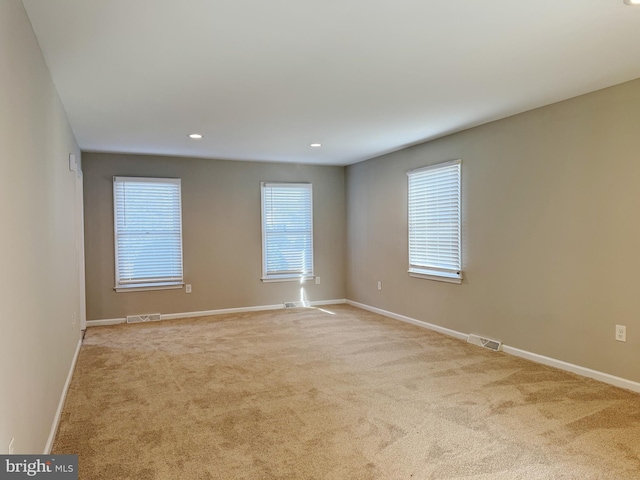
point(295, 304)
point(494, 345)
point(152, 317)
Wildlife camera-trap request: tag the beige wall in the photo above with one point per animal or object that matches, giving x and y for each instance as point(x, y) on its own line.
point(221, 234)
point(39, 281)
point(551, 228)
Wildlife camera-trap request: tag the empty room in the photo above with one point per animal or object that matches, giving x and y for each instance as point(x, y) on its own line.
point(337, 240)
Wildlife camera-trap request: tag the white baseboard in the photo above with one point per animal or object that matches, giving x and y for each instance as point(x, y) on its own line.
point(403, 318)
point(106, 321)
point(206, 313)
point(577, 369)
point(223, 311)
point(338, 301)
point(63, 396)
point(534, 357)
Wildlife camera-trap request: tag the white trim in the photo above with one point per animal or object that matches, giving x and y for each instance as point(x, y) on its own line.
point(146, 288)
point(206, 313)
point(63, 397)
point(448, 163)
point(105, 321)
point(534, 357)
point(158, 284)
point(426, 258)
point(257, 308)
point(437, 276)
point(577, 369)
point(338, 301)
point(289, 278)
point(402, 318)
point(79, 211)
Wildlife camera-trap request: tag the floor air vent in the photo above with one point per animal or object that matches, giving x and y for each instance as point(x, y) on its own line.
point(152, 317)
point(295, 304)
point(485, 342)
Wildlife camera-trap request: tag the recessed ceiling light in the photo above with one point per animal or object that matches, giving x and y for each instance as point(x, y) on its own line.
point(195, 136)
point(316, 145)
point(633, 3)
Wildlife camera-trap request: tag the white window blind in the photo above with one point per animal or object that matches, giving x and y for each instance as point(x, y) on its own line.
point(287, 230)
point(434, 222)
point(148, 232)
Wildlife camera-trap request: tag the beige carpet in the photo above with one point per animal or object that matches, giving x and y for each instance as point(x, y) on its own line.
point(339, 393)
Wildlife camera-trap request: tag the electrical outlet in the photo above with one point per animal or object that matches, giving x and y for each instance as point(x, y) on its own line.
point(11, 449)
point(621, 333)
point(317, 280)
point(379, 285)
point(187, 288)
point(73, 320)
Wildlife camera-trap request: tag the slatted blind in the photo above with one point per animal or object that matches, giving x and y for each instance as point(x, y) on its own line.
point(148, 231)
point(434, 220)
point(287, 230)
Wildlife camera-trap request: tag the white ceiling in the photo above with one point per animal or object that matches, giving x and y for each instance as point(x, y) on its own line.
point(261, 80)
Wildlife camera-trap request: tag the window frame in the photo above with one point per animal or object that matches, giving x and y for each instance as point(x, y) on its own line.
point(285, 276)
point(122, 285)
point(449, 273)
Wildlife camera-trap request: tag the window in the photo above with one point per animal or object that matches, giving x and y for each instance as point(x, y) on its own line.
point(434, 222)
point(287, 231)
point(148, 233)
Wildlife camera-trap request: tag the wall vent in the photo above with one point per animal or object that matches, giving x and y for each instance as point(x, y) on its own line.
point(295, 304)
point(151, 317)
point(494, 345)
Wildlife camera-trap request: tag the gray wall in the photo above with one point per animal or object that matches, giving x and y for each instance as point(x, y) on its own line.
point(39, 287)
point(221, 234)
point(551, 227)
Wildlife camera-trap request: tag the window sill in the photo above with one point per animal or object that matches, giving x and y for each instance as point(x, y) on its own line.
point(148, 287)
point(436, 275)
point(286, 278)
